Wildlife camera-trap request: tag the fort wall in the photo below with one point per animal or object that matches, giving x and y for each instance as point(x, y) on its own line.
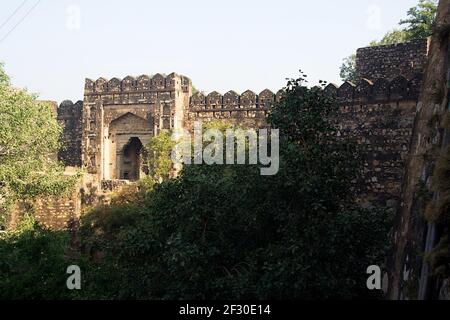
point(380, 116)
point(403, 59)
point(69, 116)
point(54, 212)
point(378, 110)
point(153, 103)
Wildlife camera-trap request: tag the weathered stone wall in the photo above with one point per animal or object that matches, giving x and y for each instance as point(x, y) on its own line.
point(155, 103)
point(246, 110)
point(404, 59)
point(378, 111)
point(69, 116)
point(383, 130)
point(380, 115)
point(56, 212)
point(414, 238)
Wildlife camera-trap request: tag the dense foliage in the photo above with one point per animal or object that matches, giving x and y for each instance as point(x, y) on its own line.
point(33, 262)
point(225, 231)
point(29, 140)
point(417, 25)
point(420, 19)
point(4, 79)
point(159, 161)
point(348, 69)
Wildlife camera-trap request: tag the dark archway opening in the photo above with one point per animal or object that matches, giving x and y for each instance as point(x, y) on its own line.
point(131, 161)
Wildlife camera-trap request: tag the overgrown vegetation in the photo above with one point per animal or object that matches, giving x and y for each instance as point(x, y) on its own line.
point(29, 140)
point(159, 162)
point(223, 231)
point(417, 25)
point(348, 69)
point(33, 262)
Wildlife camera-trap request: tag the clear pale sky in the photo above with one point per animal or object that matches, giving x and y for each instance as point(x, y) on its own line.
point(221, 46)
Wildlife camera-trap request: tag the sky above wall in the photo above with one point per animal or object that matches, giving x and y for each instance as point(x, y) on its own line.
point(227, 45)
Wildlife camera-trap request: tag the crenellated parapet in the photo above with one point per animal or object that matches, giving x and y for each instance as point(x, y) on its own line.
point(117, 110)
point(69, 116)
point(247, 109)
point(380, 115)
point(378, 111)
point(142, 83)
point(363, 92)
point(231, 100)
point(67, 109)
point(378, 91)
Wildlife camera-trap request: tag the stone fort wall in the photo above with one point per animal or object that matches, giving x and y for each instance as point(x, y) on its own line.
point(380, 115)
point(69, 116)
point(379, 110)
point(407, 59)
point(116, 110)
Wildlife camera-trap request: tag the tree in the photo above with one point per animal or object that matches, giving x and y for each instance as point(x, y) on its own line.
point(29, 135)
point(33, 262)
point(159, 161)
point(419, 24)
point(227, 232)
point(4, 79)
point(348, 69)
point(392, 37)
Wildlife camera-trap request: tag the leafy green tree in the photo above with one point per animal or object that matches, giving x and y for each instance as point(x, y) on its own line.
point(348, 69)
point(159, 160)
point(392, 37)
point(419, 23)
point(226, 232)
point(29, 135)
point(4, 79)
point(33, 262)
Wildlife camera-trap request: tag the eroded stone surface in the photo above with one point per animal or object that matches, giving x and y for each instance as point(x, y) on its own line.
point(117, 116)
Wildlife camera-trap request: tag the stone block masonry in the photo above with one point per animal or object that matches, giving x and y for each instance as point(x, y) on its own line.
point(380, 116)
point(69, 116)
point(56, 212)
point(106, 133)
point(53, 212)
point(121, 116)
point(247, 110)
point(406, 59)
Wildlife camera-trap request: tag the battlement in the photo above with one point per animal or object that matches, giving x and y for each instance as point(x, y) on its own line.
point(380, 91)
point(231, 100)
point(68, 107)
point(104, 132)
point(364, 92)
point(70, 118)
point(143, 83)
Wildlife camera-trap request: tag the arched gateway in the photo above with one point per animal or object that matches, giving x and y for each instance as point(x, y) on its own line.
point(131, 164)
point(124, 147)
